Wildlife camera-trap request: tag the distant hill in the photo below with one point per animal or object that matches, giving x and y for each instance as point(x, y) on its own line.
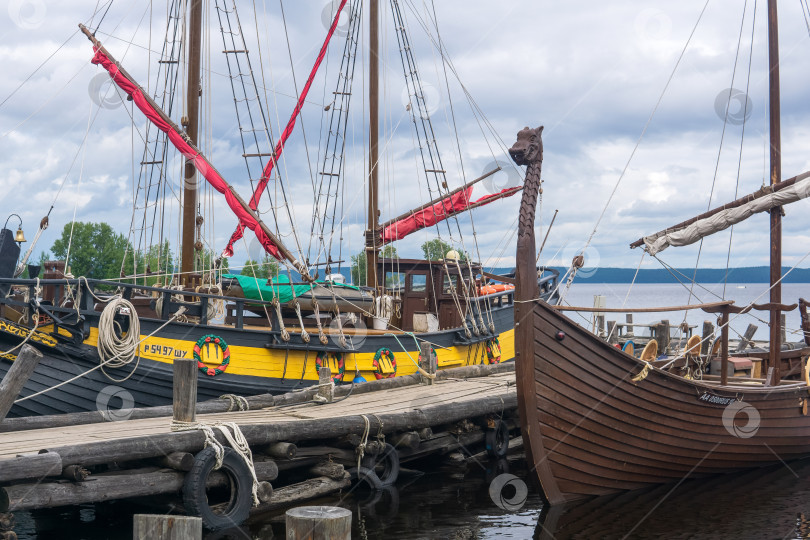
point(749, 274)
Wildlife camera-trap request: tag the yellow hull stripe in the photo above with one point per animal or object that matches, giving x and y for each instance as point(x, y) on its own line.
point(269, 363)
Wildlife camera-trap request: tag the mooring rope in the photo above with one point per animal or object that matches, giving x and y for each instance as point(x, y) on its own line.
point(237, 441)
point(103, 363)
point(236, 402)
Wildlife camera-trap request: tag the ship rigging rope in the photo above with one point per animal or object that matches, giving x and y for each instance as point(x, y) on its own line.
point(101, 364)
point(742, 140)
point(638, 142)
point(750, 304)
point(719, 153)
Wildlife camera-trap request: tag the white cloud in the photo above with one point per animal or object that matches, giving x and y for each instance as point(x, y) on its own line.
point(590, 72)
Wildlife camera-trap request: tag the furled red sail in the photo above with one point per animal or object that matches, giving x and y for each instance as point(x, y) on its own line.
point(447, 207)
point(189, 152)
point(268, 168)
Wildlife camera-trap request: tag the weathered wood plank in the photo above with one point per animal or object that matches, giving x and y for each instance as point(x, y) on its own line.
point(16, 376)
point(163, 527)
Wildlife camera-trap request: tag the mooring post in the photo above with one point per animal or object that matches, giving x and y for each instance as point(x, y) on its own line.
point(706, 338)
point(629, 320)
point(319, 522)
point(745, 341)
point(429, 361)
point(163, 527)
point(15, 378)
point(326, 390)
point(184, 405)
point(612, 333)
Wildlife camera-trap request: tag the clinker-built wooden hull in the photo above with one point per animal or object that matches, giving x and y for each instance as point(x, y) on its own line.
point(590, 429)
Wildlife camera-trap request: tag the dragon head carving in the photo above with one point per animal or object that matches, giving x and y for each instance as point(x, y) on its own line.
point(528, 148)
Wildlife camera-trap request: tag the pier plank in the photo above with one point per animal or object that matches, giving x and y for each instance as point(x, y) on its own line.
point(404, 401)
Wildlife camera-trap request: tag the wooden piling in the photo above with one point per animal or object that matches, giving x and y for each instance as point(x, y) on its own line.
point(184, 404)
point(783, 327)
point(16, 376)
point(281, 450)
point(747, 337)
point(662, 334)
point(319, 523)
point(31, 466)
point(326, 389)
point(163, 527)
point(706, 338)
point(629, 320)
point(429, 361)
point(612, 333)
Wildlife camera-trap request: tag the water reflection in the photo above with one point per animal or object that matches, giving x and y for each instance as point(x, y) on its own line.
point(772, 502)
point(455, 502)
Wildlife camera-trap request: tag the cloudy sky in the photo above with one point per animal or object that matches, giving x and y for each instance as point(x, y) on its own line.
point(590, 72)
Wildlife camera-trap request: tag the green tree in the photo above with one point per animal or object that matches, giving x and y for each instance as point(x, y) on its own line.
point(96, 250)
point(261, 270)
point(207, 259)
point(437, 249)
point(359, 263)
point(158, 258)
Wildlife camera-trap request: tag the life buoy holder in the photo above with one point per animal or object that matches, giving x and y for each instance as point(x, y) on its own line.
point(323, 356)
point(493, 348)
point(226, 354)
point(378, 372)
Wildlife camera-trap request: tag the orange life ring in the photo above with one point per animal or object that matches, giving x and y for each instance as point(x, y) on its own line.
point(494, 288)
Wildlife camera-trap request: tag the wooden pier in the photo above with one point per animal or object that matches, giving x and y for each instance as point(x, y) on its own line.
point(319, 435)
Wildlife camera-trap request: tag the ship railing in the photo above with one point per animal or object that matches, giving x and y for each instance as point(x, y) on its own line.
point(69, 301)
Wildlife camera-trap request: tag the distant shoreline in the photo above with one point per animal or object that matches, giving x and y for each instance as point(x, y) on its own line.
point(750, 274)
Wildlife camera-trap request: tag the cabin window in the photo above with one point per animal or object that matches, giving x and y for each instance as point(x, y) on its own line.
point(394, 280)
point(450, 283)
point(419, 283)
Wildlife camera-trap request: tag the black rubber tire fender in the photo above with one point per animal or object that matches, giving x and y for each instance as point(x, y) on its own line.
point(497, 439)
point(364, 474)
point(196, 500)
point(388, 460)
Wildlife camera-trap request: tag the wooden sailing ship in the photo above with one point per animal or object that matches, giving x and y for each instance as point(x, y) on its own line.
point(596, 420)
point(275, 336)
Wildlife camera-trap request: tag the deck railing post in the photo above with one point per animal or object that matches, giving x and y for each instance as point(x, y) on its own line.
point(184, 404)
point(724, 348)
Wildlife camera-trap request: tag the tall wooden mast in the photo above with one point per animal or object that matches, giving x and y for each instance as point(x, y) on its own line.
point(191, 125)
point(372, 248)
point(776, 176)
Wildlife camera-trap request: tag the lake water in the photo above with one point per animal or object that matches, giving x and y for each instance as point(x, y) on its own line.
point(674, 294)
point(463, 502)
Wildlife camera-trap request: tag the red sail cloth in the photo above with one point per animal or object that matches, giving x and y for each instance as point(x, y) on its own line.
point(506, 192)
point(268, 168)
point(427, 217)
point(200, 163)
point(439, 212)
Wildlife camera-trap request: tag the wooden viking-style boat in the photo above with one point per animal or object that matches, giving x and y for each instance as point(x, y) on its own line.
point(250, 336)
point(596, 420)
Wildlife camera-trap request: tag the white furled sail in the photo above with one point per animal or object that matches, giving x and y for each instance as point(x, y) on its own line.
point(724, 219)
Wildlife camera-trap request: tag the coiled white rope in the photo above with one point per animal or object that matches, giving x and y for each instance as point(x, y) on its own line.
point(116, 348)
